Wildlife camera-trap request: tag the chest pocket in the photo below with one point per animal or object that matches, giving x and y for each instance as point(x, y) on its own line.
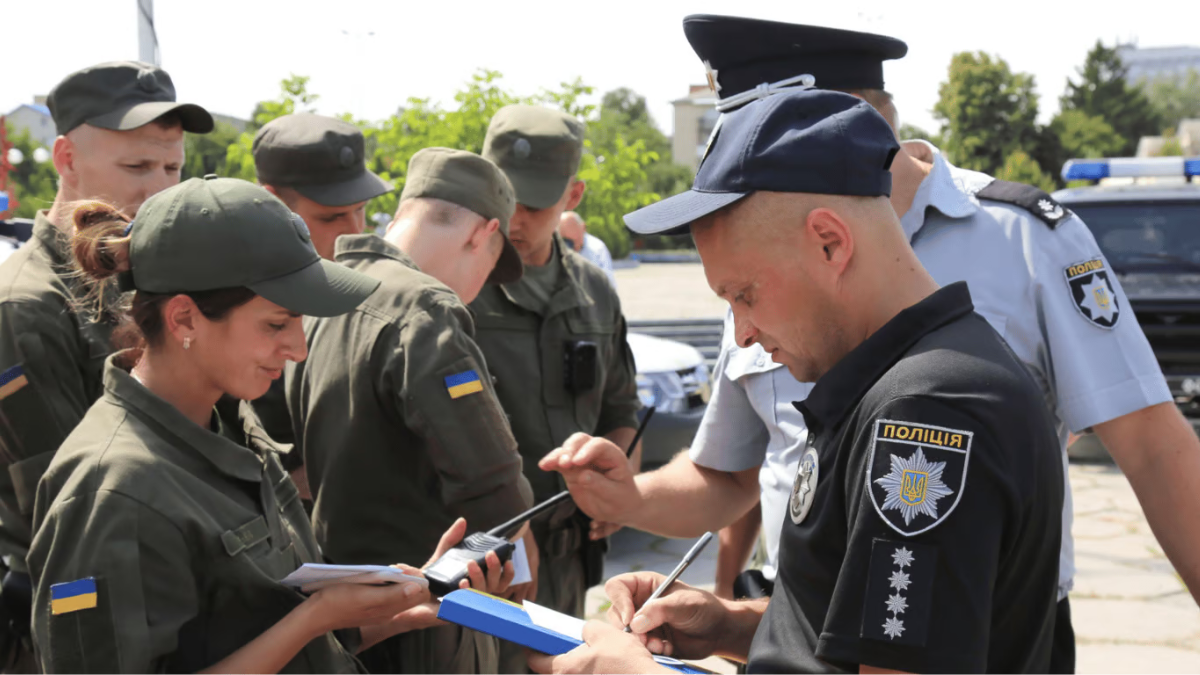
point(584, 330)
point(253, 540)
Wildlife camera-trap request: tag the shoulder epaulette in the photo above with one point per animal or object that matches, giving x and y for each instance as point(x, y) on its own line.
point(1027, 197)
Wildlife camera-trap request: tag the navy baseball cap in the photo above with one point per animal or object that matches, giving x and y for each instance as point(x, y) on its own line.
point(798, 140)
point(742, 54)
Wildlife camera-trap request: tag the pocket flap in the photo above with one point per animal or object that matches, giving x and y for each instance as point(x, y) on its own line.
point(246, 536)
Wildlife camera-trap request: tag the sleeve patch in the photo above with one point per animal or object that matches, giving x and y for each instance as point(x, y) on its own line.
point(11, 381)
point(899, 592)
point(1091, 293)
point(463, 384)
point(1027, 197)
point(73, 596)
point(916, 473)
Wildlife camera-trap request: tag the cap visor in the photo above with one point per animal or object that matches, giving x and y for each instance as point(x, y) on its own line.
point(672, 216)
point(509, 267)
point(323, 288)
point(535, 189)
point(365, 187)
point(194, 118)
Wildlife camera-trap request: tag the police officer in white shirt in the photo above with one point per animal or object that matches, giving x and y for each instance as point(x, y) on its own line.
point(1019, 251)
point(574, 230)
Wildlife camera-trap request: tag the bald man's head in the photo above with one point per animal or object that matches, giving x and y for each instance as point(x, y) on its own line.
point(572, 228)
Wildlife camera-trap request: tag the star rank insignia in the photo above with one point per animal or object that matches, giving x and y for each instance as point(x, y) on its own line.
point(899, 590)
point(916, 473)
point(1092, 292)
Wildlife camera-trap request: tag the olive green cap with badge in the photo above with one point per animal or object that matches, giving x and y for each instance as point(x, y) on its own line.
point(538, 148)
point(211, 233)
point(121, 95)
point(320, 157)
point(474, 183)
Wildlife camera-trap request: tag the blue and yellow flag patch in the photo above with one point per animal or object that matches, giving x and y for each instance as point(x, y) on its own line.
point(73, 596)
point(464, 384)
point(11, 381)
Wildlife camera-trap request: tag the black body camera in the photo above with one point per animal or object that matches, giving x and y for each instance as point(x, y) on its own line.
point(581, 365)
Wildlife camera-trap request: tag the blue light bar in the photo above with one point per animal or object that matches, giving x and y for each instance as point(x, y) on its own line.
point(1130, 167)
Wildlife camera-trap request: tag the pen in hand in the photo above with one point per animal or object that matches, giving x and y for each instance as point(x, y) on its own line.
point(683, 565)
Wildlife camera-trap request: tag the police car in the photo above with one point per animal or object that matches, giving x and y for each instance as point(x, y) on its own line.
point(1145, 215)
point(673, 377)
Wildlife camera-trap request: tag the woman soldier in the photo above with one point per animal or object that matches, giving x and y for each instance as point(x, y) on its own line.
point(162, 528)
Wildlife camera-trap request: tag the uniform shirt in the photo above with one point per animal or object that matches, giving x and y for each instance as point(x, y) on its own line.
point(751, 420)
point(1017, 266)
point(924, 522)
point(595, 252)
point(186, 533)
point(51, 365)
point(397, 418)
point(525, 349)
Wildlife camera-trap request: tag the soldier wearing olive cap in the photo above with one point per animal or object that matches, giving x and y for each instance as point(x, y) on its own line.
point(120, 138)
point(555, 340)
point(395, 410)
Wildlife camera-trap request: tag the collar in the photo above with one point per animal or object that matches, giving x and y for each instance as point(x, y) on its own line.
point(228, 457)
point(943, 189)
point(840, 389)
point(53, 239)
point(566, 296)
point(350, 245)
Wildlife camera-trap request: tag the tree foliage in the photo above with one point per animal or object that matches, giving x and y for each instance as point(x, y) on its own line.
point(1102, 90)
point(987, 112)
point(293, 97)
point(1019, 167)
point(1175, 98)
point(33, 183)
point(208, 153)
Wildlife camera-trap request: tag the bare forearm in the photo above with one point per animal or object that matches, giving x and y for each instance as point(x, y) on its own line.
point(1160, 455)
point(683, 499)
point(279, 644)
point(736, 543)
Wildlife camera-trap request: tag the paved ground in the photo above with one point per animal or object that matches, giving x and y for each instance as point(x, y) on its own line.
point(1130, 610)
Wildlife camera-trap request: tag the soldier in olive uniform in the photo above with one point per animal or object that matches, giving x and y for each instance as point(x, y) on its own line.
point(317, 166)
point(395, 410)
point(555, 340)
point(163, 528)
point(120, 138)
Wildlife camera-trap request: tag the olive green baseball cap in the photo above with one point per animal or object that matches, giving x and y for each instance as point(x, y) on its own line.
point(121, 95)
point(210, 233)
point(320, 157)
point(474, 183)
point(539, 150)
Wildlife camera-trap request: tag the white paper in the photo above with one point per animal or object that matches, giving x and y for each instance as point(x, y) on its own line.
point(558, 622)
point(520, 561)
point(311, 577)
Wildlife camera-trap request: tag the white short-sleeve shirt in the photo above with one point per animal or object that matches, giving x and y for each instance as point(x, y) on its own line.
point(1015, 266)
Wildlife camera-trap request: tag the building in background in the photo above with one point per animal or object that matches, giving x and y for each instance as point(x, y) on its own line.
point(34, 118)
point(695, 117)
point(1154, 62)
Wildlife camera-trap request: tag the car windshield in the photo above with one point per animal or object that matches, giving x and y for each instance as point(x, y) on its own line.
point(1144, 236)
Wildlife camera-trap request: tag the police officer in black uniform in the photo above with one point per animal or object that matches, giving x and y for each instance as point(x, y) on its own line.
point(923, 526)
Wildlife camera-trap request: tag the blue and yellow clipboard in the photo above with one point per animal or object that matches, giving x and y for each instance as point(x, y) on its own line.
point(509, 621)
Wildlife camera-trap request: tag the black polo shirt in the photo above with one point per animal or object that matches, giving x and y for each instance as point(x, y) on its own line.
point(926, 516)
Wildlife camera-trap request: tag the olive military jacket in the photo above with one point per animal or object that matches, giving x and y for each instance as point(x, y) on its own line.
point(398, 421)
point(51, 365)
point(526, 352)
point(184, 532)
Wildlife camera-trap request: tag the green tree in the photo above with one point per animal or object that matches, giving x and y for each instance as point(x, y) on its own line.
point(1019, 167)
point(1171, 146)
point(908, 132)
point(1175, 98)
point(987, 112)
point(1075, 134)
point(32, 183)
point(1102, 90)
point(293, 97)
point(208, 153)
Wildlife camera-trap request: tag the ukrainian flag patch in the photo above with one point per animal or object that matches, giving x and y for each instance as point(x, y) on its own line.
point(73, 596)
point(11, 381)
point(463, 384)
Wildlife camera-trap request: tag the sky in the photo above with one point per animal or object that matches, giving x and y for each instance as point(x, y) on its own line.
point(368, 56)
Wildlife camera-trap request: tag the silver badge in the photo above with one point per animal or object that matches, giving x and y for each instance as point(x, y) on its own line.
point(805, 486)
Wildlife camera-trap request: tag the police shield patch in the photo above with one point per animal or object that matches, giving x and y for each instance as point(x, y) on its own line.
point(1092, 291)
point(916, 473)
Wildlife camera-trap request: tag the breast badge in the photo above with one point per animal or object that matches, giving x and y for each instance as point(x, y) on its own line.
point(804, 486)
point(917, 473)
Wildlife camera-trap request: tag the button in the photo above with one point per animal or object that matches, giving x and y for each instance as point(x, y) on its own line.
point(762, 361)
point(211, 176)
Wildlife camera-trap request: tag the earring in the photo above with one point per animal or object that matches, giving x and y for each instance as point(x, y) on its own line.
point(187, 343)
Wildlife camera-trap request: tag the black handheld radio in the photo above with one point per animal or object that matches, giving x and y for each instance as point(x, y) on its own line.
point(448, 571)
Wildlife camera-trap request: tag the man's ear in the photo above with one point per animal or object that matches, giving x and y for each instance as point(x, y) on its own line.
point(63, 155)
point(575, 194)
point(481, 234)
point(833, 235)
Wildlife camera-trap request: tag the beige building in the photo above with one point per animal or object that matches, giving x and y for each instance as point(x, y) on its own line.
point(695, 117)
point(1187, 134)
